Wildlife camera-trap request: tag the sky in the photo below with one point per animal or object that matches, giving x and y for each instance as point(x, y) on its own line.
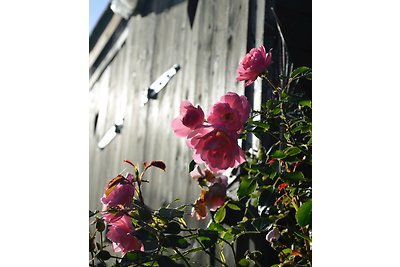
point(96, 9)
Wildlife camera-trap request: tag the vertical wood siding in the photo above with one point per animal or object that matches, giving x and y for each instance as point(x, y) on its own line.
point(208, 53)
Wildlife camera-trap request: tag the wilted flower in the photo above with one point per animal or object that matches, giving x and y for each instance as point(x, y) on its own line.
point(230, 113)
point(273, 235)
point(120, 233)
point(205, 174)
point(190, 118)
point(253, 64)
point(200, 207)
point(216, 194)
point(214, 197)
point(215, 147)
point(119, 191)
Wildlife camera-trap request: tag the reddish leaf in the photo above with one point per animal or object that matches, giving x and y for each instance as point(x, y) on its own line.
point(156, 163)
point(281, 186)
point(129, 162)
point(113, 183)
point(296, 253)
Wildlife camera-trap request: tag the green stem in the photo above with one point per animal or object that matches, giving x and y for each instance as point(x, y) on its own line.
point(183, 257)
point(205, 249)
point(270, 83)
point(307, 245)
point(233, 250)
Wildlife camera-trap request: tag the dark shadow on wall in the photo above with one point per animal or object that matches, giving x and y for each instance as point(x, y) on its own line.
point(145, 7)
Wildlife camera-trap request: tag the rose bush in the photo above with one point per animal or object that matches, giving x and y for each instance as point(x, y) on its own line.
point(272, 199)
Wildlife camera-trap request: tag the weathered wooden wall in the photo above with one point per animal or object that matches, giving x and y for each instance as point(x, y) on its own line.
point(208, 53)
point(159, 35)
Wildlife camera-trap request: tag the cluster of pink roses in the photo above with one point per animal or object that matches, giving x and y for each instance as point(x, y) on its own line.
point(118, 194)
point(214, 142)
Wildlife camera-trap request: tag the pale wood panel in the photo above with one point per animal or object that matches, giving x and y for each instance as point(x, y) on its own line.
point(208, 54)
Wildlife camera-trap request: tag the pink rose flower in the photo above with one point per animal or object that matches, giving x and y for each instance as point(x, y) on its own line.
point(230, 113)
point(119, 191)
point(253, 64)
point(215, 147)
point(190, 118)
point(120, 233)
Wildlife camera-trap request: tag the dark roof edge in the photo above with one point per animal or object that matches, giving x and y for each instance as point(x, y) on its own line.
point(100, 26)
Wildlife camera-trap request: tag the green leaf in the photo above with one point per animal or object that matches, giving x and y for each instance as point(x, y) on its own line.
point(137, 257)
point(173, 228)
point(267, 197)
point(305, 103)
point(233, 206)
point(303, 236)
point(165, 261)
point(262, 223)
point(244, 262)
point(300, 71)
point(217, 227)
point(227, 236)
point(303, 214)
point(278, 154)
point(104, 255)
point(145, 214)
point(208, 237)
point(292, 176)
point(220, 215)
point(170, 213)
point(172, 241)
point(264, 126)
point(246, 187)
point(147, 237)
point(192, 164)
point(292, 150)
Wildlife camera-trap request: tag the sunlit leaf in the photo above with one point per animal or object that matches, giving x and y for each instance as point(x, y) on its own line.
point(291, 151)
point(278, 154)
point(245, 262)
point(300, 71)
point(305, 103)
point(220, 215)
point(217, 227)
point(246, 187)
point(303, 214)
point(233, 206)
